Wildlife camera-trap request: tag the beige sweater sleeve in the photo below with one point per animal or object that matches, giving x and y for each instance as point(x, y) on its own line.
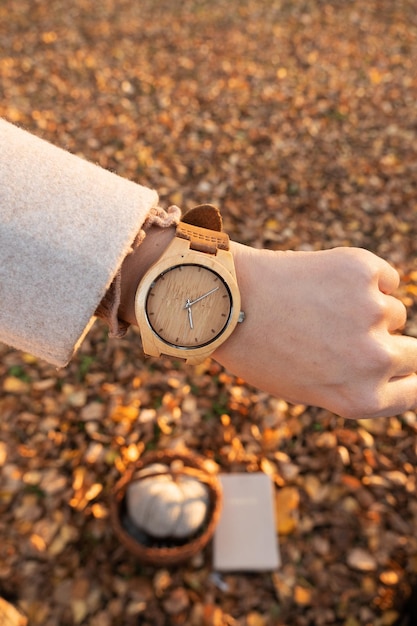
point(65, 227)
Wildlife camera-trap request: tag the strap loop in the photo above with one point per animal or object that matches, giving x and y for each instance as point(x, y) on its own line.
point(202, 239)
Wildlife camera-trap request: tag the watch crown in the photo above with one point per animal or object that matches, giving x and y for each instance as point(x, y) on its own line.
point(241, 317)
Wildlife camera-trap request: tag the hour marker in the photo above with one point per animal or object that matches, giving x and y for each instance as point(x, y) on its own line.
point(212, 330)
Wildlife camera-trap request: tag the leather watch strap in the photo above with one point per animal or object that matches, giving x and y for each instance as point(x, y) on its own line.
point(205, 216)
point(202, 227)
point(203, 240)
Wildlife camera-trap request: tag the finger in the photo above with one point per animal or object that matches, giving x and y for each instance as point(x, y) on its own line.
point(388, 278)
point(396, 313)
point(400, 396)
point(404, 355)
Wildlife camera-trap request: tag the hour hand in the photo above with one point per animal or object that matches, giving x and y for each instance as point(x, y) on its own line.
point(190, 315)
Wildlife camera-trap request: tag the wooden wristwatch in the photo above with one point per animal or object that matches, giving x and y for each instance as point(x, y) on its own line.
point(188, 302)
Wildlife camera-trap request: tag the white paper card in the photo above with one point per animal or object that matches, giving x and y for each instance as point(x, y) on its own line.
point(246, 537)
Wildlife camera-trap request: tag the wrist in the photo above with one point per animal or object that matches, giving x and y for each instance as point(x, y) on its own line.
point(243, 261)
point(137, 263)
point(252, 265)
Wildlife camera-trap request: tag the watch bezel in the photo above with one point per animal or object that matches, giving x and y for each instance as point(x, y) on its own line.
point(204, 343)
point(153, 344)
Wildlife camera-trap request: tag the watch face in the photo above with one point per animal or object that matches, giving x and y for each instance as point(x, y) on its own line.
point(188, 306)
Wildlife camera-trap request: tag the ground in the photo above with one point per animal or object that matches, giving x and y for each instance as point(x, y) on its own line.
point(298, 118)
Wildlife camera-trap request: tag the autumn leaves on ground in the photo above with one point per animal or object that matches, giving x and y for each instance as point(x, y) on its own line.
point(297, 118)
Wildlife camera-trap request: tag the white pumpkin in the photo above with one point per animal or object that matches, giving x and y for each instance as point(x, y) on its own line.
point(164, 505)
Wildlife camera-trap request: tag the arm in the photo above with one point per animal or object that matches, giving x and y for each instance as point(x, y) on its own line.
point(320, 328)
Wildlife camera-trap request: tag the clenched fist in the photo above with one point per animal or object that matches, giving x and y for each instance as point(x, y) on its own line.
point(323, 329)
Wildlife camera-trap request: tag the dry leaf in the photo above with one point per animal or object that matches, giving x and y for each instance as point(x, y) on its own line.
point(287, 501)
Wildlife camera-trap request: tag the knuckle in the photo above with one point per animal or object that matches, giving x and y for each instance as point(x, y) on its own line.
point(364, 397)
point(376, 312)
point(375, 354)
point(362, 405)
point(382, 357)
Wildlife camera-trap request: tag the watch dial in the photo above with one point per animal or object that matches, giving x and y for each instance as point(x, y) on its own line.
point(188, 306)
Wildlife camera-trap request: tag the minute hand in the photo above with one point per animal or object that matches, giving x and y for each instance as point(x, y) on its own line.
point(190, 303)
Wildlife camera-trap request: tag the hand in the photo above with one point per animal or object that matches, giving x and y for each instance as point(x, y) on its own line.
point(321, 329)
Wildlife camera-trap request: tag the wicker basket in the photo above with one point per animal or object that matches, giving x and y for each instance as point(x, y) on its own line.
point(164, 553)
